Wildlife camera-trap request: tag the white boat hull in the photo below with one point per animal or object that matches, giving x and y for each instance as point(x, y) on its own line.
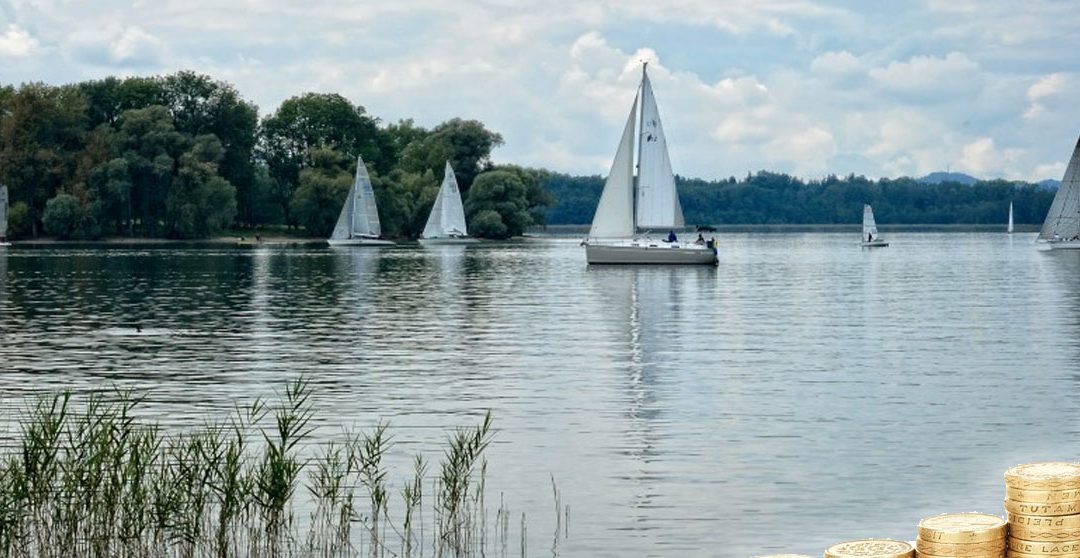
point(449, 240)
point(1064, 245)
point(650, 252)
point(359, 242)
point(875, 244)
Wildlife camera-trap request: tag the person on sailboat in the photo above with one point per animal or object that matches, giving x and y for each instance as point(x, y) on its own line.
point(700, 239)
point(671, 236)
point(869, 237)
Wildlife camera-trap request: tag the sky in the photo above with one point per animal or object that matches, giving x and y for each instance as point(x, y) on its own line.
point(878, 88)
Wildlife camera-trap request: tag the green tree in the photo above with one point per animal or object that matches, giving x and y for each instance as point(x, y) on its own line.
point(512, 193)
point(321, 194)
point(152, 148)
point(467, 144)
point(63, 217)
point(201, 202)
point(289, 136)
point(405, 199)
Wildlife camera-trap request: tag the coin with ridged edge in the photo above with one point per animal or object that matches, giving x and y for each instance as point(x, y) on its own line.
point(871, 548)
point(1055, 475)
point(963, 528)
point(998, 554)
point(1042, 496)
point(961, 550)
point(1029, 508)
point(1043, 533)
point(1042, 548)
point(1015, 554)
point(1052, 522)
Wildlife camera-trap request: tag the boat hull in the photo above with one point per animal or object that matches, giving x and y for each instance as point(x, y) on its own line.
point(649, 253)
point(875, 244)
point(1064, 245)
point(359, 242)
point(449, 240)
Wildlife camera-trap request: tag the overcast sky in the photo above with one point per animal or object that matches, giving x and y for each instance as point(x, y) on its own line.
point(881, 88)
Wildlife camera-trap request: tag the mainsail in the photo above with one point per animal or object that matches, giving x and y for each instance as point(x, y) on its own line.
point(447, 215)
point(615, 213)
point(1010, 230)
point(869, 227)
point(3, 211)
point(1063, 219)
point(657, 201)
point(359, 216)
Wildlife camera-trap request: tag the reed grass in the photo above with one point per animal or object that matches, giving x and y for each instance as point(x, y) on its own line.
point(87, 478)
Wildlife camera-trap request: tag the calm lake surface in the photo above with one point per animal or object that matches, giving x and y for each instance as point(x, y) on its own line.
point(804, 392)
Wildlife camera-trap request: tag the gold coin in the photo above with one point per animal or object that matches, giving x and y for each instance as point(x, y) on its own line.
point(1044, 476)
point(1055, 522)
point(1042, 496)
point(1043, 533)
point(1015, 554)
point(1028, 508)
point(968, 550)
point(871, 548)
point(961, 528)
point(1044, 548)
point(1000, 554)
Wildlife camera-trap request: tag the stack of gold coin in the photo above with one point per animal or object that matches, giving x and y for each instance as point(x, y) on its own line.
point(962, 535)
point(1043, 505)
point(871, 548)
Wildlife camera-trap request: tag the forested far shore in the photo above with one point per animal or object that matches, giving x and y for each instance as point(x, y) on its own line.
point(186, 156)
point(768, 198)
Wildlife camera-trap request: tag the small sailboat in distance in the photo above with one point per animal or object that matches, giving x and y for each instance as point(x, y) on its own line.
point(870, 238)
point(358, 223)
point(1010, 229)
point(3, 215)
point(446, 223)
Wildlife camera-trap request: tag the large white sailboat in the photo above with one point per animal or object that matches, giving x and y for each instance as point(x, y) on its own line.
point(629, 206)
point(870, 238)
point(3, 215)
point(358, 223)
point(1010, 228)
point(446, 223)
point(1061, 229)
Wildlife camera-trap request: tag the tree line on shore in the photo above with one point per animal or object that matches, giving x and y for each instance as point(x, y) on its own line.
point(768, 198)
point(186, 156)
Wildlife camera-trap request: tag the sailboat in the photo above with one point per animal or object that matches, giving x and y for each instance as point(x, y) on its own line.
point(1061, 229)
point(358, 224)
point(3, 215)
point(1010, 229)
point(629, 204)
point(446, 224)
point(870, 238)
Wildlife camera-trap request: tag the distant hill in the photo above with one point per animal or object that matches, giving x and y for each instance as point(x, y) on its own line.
point(939, 177)
point(1049, 184)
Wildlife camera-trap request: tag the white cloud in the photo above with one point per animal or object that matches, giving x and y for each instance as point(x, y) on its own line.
point(16, 42)
point(134, 45)
point(929, 77)
point(837, 64)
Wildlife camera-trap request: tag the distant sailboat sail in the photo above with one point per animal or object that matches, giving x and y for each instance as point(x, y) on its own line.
point(359, 216)
point(1010, 218)
point(447, 215)
point(869, 227)
point(1063, 220)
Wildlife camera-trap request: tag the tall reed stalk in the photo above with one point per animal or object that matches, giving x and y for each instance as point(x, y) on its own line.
point(87, 478)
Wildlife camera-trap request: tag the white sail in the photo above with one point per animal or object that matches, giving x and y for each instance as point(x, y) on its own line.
point(1010, 218)
point(657, 201)
point(447, 216)
point(359, 216)
point(615, 213)
point(869, 227)
point(3, 211)
point(1063, 219)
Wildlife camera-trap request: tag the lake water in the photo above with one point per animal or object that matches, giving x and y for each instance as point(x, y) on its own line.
point(804, 392)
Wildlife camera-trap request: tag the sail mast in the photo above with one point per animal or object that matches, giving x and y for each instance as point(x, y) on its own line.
point(641, 128)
